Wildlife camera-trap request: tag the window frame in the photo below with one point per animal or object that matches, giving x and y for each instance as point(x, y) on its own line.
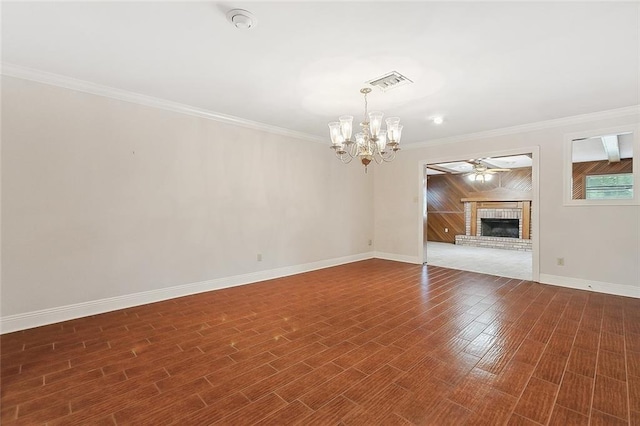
point(568, 168)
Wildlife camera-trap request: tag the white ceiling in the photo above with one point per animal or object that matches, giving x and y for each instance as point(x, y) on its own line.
point(592, 149)
point(481, 65)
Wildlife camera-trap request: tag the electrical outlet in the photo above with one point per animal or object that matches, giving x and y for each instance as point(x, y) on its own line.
point(259, 257)
point(446, 229)
point(560, 261)
point(370, 242)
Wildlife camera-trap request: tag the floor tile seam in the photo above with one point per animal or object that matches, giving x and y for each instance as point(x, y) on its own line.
point(72, 411)
point(24, 345)
point(358, 404)
point(611, 415)
point(113, 418)
point(532, 421)
point(375, 308)
point(66, 389)
point(402, 417)
point(325, 380)
point(250, 401)
point(395, 382)
point(16, 374)
point(298, 350)
point(56, 418)
point(46, 339)
point(503, 394)
point(626, 369)
point(604, 374)
point(446, 398)
point(588, 416)
point(305, 405)
point(575, 411)
point(155, 410)
point(595, 374)
point(279, 386)
point(25, 353)
point(342, 394)
point(99, 360)
point(523, 311)
point(432, 319)
point(29, 376)
point(519, 398)
point(564, 372)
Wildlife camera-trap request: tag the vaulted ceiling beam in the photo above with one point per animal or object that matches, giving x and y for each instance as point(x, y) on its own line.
point(611, 147)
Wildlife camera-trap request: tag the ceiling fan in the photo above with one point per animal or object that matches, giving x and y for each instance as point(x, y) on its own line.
point(482, 171)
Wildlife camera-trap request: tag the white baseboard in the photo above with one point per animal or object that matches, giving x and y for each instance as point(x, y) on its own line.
point(597, 286)
point(397, 257)
point(26, 320)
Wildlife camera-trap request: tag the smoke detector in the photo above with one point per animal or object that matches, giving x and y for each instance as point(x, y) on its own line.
point(390, 81)
point(242, 19)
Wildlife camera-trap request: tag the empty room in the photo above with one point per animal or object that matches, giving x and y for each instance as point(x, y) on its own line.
point(320, 213)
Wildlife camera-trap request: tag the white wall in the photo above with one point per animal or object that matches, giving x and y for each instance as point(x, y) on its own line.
point(102, 198)
point(600, 244)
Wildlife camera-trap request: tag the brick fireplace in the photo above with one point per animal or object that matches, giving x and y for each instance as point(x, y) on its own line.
point(497, 221)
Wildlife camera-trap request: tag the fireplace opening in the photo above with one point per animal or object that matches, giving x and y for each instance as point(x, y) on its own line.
point(500, 228)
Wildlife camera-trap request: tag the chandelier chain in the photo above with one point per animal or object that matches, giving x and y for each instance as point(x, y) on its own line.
point(365, 106)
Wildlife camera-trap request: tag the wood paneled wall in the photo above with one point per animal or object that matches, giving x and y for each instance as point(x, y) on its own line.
point(581, 170)
point(444, 192)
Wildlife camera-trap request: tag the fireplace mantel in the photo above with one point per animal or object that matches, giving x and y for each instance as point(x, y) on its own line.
point(492, 199)
point(499, 194)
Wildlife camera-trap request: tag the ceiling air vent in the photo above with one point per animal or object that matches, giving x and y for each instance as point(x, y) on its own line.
point(389, 81)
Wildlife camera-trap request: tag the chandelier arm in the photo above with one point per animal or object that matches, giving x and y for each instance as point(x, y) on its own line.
point(355, 150)
point(346, 159)
point(377, 155)
point(390, 156)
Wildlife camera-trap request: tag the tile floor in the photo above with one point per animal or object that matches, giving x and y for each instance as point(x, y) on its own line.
point(368, 343)
point(504, 263)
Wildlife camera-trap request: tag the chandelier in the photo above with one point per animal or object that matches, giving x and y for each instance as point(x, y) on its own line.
point(372, 143)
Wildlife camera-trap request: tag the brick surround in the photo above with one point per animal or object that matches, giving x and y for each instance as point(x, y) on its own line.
point(505, 243)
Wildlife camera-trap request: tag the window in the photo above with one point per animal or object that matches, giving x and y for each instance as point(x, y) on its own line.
point(609, 187)
point(602, 167)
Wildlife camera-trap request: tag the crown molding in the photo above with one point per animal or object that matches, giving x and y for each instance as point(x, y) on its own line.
point(531, 127)
point(17, 71)
point(25, 73)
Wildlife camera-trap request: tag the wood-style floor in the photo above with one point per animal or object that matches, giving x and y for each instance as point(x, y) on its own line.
point(373, 342)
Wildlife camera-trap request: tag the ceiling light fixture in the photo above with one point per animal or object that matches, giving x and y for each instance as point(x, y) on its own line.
point(438, 120)
point(242, 19)
point(480, 177)
point(372, 143)
point(481, 172)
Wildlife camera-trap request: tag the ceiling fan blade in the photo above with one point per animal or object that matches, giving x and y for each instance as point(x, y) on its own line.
point(498, 170)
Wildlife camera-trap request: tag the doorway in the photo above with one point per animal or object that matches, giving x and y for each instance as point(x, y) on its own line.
point(496, 192)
